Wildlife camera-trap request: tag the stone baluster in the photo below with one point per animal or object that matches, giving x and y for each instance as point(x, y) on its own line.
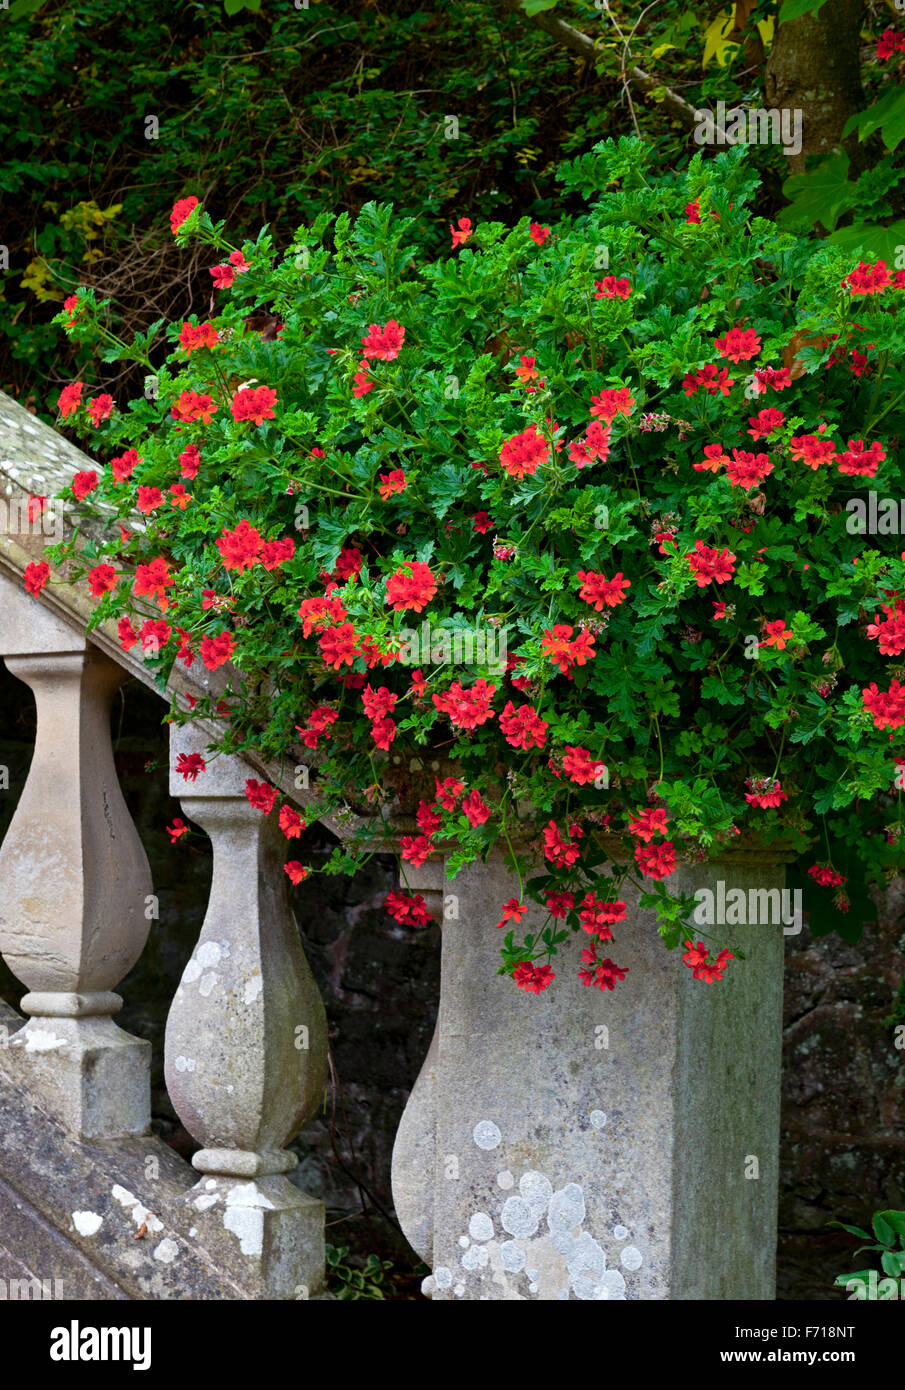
point(246, 1045)
point(594, 1146)
point(75, 885)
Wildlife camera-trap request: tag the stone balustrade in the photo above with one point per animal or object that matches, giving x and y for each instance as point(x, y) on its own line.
point(569, 1146)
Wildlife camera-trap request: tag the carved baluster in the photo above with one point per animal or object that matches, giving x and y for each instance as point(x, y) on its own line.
point(74, 884)
point(246, 1044)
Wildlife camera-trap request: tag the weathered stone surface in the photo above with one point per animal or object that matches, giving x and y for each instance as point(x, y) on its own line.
point(580, 1138)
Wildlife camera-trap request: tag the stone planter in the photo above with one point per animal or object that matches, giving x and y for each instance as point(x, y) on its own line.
point(594, 1146)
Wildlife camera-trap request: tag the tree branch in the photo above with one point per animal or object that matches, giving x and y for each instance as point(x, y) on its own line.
point(586, 47)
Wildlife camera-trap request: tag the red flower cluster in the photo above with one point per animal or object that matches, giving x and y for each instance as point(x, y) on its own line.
point(706, 564)
point(524, 452)
point(564, 650)
point(597, 590)
point(466, 709)
point(408, 909)
point(696, 957)
point(254, 403)
point(886, 706)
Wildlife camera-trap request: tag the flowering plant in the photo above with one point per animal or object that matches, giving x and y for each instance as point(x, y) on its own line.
point(566, 512)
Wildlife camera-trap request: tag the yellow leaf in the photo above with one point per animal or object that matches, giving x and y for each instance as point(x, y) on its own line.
point(716, 44)
point(661, 49)
point(765, 29)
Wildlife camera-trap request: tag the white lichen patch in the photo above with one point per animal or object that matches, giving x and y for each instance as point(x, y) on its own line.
point(253, 988)
point(487, 1135)
point(39, 1040)
point(87, 1223)
point(166, 1251)
point(184, 1063)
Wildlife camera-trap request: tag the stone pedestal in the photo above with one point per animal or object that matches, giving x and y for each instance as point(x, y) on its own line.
point(591, 1145)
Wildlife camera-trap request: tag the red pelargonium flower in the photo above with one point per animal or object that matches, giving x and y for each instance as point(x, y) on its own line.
point(276, 553)
point(411, 586)
point(538, 234)
point(776, 378)
point(860, 460)
point(777, 635)
point(190, 462)
point(559, 904)
point(260, 795)
point(512, 911)
point(416, 849)
point(123, 467)
point(83, 483)
point(216, 651)
point(464, 231)
point(177, 829)
point(557, 644)
point(254, 403)
point(101, 580)
point(339, 645)
point(317, 613)
point(712, 379)
point(201, 335)
point(534, 979)
point(889, 42)
point(149, 499)
point(466, 709)
point(482, 523)
point(182, 210)
point(656, 861)
point(696, 958)
point(99, 408)
point(408, 908)
point(739, 344)
point(428, 818)
point(390, 483)
point(890, 631)
point(522, 453)
point(448, 792)
point(475, 808)
point(602, 974)
point(36, 575)
point(826, 876)
point(240, 549)
point(813, 450)
point(714, 459)
point(611, 288)
point(765, 792)
point(194, 405)
point(612, 402)
point(127, 634)
point(693, 212)
point(180, 498)
point(291, 822)
point(579, 766)
point(747, 469)
point(319, 721)
point(561, 852)
point(70, 399)
point(523, 727)
point(597, 590)
point(223, 276)
point(295, 871)
point(154, 635)
point(868, 279)
point(595, 445)
point(648, 823)
point(886, 706)
point(765, 423)
point(706, 564)
point(364, 382)
point(189, 765)
point(599, 917)
point(384, 343)
point(152, 581)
